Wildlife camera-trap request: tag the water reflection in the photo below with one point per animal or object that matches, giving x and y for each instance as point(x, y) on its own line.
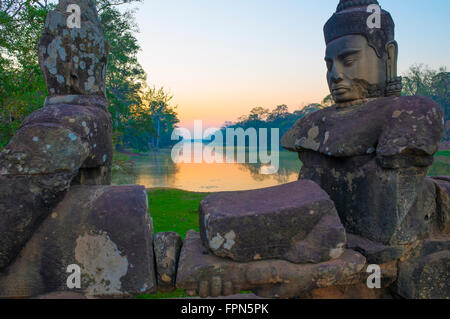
point(158, 170)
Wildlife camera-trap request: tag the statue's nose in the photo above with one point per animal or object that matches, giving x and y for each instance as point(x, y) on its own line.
point(335, 76)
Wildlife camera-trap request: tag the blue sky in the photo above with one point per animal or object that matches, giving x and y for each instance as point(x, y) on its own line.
point(221, 58)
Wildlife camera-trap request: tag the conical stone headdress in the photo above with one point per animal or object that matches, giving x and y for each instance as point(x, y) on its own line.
point(351, 18)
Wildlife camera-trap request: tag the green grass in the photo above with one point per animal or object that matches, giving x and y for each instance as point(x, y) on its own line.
point(441, 165)
point(443, 153)
point(174, 210)
point(164, 295)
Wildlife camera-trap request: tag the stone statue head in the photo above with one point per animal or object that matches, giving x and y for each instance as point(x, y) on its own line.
point(73, 59)
point(361, 53)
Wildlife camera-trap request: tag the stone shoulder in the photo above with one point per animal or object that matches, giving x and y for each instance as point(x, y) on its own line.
point(387, 126)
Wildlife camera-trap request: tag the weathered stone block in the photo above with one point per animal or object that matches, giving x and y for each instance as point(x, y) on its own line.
point(433, 245)
point(442, 218)
point(41, 161)
point(295, 221)
point(105, 230)
point(26, 200)
point(70, 133)
point(357, 291)
point(374, 252)
point(62, 137)
point(167, 247)
point(425, 277)
point(204, 273)
point(388, 275)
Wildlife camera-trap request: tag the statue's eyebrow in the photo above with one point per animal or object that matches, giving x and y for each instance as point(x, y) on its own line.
point(348, 52)
point(343, 54)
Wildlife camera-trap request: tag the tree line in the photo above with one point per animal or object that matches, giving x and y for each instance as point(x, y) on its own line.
point(143, 116)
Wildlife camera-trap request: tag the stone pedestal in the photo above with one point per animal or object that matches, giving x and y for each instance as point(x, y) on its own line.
point(105, 230)
point(200, 271)
point(426, 275)
point(390, 206)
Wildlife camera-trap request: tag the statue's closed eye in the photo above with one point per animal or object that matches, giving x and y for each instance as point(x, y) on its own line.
point(348, 61)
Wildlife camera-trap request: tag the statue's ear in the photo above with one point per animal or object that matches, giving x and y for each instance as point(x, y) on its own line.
point(391, 63)
point(393, 82)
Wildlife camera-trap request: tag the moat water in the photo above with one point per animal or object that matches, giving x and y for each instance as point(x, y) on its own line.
point(157, 169)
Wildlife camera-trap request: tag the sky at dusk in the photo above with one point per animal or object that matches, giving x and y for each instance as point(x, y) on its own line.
point(222, 58)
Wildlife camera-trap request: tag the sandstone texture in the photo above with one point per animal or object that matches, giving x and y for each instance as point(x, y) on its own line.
point(400, 131)
point(425, 277)
point(54, 146)
point(374, 252)
point(442, 216)
point(105, 230)
point(73, 60)
point(295, 222)
point(372, 160)
point(167, 247)
point(69, 140)
point(202, 272)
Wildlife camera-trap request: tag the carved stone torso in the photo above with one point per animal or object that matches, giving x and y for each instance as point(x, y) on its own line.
point(388, 127)
point(372, 160)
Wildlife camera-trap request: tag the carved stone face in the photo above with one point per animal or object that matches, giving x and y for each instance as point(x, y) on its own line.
point(354, 69)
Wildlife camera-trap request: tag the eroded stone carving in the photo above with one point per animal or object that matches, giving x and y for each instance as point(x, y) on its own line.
point(47, 223)
point(167, 246)
point(200, 272)
point(57, 143)
point(73, 60)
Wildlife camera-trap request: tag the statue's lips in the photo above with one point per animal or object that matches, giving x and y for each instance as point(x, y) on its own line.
point(339, 90)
